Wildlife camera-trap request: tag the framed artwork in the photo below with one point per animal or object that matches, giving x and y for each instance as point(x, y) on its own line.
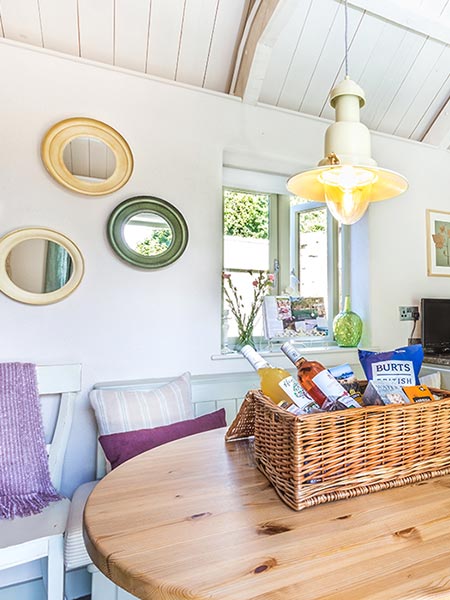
point(438, 243)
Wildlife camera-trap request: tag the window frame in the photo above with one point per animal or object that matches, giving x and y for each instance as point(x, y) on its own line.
point(283, 257)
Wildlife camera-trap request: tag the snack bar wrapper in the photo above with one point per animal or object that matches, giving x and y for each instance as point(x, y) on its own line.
point(401, 365)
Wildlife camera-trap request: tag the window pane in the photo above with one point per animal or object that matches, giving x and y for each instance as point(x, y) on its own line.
point(313, 272)
point(246, 247)
point(246, 230)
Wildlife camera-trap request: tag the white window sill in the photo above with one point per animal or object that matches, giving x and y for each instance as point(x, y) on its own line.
point(329, 355)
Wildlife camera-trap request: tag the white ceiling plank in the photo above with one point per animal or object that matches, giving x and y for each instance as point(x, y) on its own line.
point(317, 28)
point(131, 34)
point(439, 132)
point(361, 49)
point(407, 92)
point(228, 24)
point(434, 109)
point(21, 21)
point(434, 8)
point(430, 83)
point(282, 54)
point(166, 20)
point(377, 68)
point(196, 36)
point(330, 62)
point(446, 11)
point(406, 16)
point(97, 30)
point(60, 25)
point(268, 23)
point(402, 61)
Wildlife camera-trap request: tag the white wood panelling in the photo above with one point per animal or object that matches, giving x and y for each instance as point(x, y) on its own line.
point(439, 132)
point(21, 21)
point(319, 21)
point(223, 45)
point(329, 63)
point(97, 30)
point(430, 86)
point(196, 41)
point(59, 21)
point(166, 21)
point(407, 16)
point(398, 50)
point(131, 34)
point(361, 48)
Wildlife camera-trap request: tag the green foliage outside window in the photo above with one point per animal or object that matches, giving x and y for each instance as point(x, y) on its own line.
point(246, 215)
point(313, 220)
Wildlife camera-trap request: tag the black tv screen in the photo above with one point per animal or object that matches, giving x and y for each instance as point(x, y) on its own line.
point(435, 315)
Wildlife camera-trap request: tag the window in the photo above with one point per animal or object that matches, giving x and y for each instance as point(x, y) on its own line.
point(298, 241)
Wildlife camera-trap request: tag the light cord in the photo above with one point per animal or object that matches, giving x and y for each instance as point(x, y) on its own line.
point(346, 37)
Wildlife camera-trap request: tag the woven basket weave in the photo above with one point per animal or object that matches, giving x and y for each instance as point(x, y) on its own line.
point(330, 456)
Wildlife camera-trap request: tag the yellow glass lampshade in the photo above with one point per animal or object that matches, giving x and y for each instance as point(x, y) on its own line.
point(348, 178)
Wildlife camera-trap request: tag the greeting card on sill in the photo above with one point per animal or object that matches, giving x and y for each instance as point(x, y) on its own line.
point(288, 316)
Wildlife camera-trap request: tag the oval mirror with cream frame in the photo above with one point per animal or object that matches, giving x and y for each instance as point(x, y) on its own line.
point(73, 151)
point(147, 232)
point(34, 260)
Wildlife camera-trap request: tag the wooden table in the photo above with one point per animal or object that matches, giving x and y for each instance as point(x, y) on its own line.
point(195, 519)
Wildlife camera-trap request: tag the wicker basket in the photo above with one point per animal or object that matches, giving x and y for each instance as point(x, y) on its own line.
point(330, 456)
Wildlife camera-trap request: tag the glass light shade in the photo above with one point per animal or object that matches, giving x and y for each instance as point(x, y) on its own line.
point(371, 185)
point(348, 191)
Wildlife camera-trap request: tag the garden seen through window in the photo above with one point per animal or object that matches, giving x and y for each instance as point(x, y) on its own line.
point(291, 239)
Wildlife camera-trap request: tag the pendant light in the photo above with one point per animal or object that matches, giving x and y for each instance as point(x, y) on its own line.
point(348, 178)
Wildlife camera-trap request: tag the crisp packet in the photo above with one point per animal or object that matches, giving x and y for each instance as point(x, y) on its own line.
point(400, 366)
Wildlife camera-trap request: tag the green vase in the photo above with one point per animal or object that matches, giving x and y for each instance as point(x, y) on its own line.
point(347, 326)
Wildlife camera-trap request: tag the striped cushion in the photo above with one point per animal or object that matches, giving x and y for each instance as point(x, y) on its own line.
point(127, 410)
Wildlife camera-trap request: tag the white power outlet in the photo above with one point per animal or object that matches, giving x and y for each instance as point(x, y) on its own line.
point(407, 313)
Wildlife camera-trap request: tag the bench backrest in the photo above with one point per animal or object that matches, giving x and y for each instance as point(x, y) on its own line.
point(65, 381)
point(209, 393)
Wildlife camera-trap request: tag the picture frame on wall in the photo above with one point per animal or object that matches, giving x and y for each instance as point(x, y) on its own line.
point(438, 243)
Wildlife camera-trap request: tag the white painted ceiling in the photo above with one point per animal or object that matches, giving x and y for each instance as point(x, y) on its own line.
point(398, 50)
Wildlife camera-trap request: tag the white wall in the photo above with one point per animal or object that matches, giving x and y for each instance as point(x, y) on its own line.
point(123, 322)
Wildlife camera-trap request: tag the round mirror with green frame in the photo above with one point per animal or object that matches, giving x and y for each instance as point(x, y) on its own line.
point(147, 232)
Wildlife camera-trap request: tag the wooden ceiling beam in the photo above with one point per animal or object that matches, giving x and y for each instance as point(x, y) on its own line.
point(266, 22)
point(439, 132)
point(401, 13)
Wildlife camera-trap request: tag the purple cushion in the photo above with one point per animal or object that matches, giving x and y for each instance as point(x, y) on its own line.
point(119, 447)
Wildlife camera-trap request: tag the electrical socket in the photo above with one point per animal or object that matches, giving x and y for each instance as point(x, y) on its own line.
point(407, 313)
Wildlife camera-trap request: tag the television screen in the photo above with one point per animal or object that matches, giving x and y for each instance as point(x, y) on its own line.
point(435, 315)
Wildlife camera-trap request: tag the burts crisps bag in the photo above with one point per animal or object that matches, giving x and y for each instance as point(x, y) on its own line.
point(401, 365)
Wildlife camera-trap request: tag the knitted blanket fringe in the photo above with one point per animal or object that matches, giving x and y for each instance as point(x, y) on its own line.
point(25, 485)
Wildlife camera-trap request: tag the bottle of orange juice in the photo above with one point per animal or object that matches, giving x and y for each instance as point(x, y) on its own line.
point(278, 385)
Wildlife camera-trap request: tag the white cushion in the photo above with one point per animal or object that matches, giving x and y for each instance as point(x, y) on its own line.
point(51, 521)
point(126, 410)
point(75, 553)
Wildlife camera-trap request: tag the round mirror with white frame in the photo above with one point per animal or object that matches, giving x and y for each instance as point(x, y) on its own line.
point(147, 232)
point(39, 266)
point(87, 156)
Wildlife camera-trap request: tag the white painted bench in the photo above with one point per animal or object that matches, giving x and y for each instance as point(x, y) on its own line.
point(209, 393)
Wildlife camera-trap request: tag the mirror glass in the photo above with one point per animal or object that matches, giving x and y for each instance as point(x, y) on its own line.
point(148, 234)
point(39, 266)
point(89, 159)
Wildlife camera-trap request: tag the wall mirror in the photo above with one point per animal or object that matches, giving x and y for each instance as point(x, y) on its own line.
point(147, 232)
point(87, 156)
point(39, 266)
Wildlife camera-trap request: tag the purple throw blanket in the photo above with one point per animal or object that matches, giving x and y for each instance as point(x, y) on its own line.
point(25, 486)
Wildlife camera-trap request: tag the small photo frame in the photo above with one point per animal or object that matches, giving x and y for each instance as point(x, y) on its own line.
point(438, 243)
